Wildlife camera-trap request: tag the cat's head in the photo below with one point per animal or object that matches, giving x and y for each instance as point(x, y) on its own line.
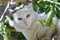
point(24, 18)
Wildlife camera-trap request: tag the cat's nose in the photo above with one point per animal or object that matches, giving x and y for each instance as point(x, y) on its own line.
point(25, 22)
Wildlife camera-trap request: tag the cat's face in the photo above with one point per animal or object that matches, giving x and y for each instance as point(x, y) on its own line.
point(24, 18)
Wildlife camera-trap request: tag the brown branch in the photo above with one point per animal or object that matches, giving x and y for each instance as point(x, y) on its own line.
point(27, 2)
point(3, 15)
point(15, 11)
point(12, 13)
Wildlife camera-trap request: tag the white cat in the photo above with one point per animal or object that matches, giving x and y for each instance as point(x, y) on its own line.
point(57, 22)
point(26, 21)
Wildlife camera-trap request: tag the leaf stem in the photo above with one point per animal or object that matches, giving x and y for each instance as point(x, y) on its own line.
point(52, 2)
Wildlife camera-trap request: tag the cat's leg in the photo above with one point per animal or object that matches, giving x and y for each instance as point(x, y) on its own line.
point(58, 30)
point(48, 34)
point(57, 37)
point(40, 33)
point(38, 36)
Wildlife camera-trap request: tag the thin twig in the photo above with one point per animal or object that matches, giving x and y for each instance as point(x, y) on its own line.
point(3, 15)
point(15, 11)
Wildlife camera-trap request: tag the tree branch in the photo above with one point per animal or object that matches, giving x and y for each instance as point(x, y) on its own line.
point(3, 15)
point(27, 2)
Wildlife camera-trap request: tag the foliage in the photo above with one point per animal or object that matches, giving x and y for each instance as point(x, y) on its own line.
point(43, 24)
point(7, 32)
point(19, 3)
point(4, 31)
point(52, 8)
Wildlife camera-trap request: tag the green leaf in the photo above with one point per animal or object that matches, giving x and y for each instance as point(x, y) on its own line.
point(53, 25)
point(35, 6)
point(42, 22)
point(19, 3)
point(5, 31)
point(41, 6)
point(47, 9)
point(57, 12)
point(50, 16)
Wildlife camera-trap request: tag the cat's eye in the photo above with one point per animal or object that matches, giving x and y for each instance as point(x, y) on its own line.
point(19, 18)
point(28, 16)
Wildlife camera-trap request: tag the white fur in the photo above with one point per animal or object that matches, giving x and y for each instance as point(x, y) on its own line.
point(41, 33)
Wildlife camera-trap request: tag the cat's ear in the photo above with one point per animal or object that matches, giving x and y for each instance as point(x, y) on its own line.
point(30, 6)
point(10, 10)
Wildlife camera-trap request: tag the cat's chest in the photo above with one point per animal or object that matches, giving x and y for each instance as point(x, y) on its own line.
point(31, 32)
point(28, 33)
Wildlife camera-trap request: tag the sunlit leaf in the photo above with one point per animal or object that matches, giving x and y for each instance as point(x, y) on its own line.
point(50, 16)
point(57, 12)
point(47, 9)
